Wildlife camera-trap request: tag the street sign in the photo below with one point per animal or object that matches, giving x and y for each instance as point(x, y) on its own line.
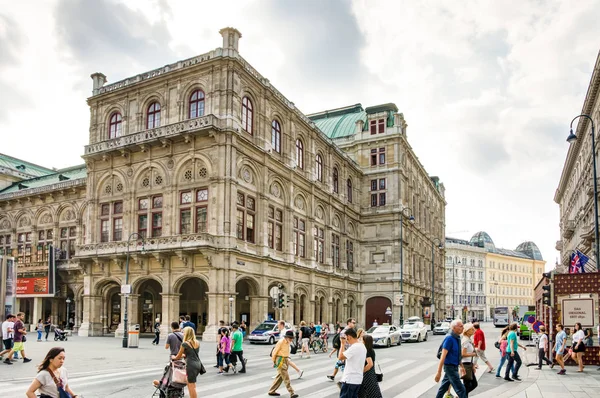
point(432, 308)
point(125, 289)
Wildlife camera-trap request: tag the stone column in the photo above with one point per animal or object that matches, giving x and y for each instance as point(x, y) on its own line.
point(170, 311)
point(37, 310)
point(210, 333)
point(92, 322)
point(55, 311)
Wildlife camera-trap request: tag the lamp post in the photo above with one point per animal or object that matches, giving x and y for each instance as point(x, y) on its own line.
point(230, 310)
point(440, 246)
point(68, 301)
point(125, 289)
point(411, 220)
point(571, 139)
point(454, 262)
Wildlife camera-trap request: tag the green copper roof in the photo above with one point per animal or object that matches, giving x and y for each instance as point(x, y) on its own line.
point(58, 176)
point(340, 122)
point(23, 167)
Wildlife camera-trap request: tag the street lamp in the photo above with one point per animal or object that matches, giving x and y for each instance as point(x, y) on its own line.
point(411, 219)
point(126, 291)
point(571, 139)
point(454, 262)
point(230, 310)
point(439, 246)
point(68, 301)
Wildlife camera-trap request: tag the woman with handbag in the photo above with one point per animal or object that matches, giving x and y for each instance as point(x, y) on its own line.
point(52, 379)
point(468, 353)
point(193, 366)
point(156, 332)
point(370, 387)
point(501, 344)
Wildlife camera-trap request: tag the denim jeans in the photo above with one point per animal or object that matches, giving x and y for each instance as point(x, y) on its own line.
point(511, 360)
point(39, 334)
point(451, 377)
point(502, 360)
point(349, 390)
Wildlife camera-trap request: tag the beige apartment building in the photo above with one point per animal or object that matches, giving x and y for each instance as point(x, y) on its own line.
point(216, 192)
point(575, 191)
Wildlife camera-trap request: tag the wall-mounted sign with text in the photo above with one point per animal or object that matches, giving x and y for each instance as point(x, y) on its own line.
point(578, 310)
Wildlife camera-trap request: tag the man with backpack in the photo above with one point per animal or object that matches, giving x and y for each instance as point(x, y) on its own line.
point(304, 337)
point(450, 355)
point(174, 340)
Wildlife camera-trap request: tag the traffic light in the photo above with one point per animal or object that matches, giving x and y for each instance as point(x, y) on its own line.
point(548, 291)
point(281, 300)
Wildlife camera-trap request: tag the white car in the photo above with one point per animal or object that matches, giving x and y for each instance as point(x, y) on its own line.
point(385, 335)
point(414, 319)
point(414, 331)
point(441, 328)
point(267, 332)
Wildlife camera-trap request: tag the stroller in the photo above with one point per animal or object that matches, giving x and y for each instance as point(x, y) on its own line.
point(60, 334)
point(171, 383)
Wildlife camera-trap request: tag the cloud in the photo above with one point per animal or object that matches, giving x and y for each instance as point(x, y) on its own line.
point(11, 39)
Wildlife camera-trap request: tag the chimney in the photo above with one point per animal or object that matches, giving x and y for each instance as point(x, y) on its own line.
point(99, 79)
point(231, 38)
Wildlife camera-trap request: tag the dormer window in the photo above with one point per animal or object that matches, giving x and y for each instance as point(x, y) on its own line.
point(153, 115)
point(377, 126)
point(114, 127)
point(197, 104)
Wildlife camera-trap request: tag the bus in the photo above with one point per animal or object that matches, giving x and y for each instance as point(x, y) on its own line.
point(501, 316)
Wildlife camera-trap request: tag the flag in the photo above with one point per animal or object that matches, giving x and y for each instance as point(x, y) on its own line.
point(578, 261)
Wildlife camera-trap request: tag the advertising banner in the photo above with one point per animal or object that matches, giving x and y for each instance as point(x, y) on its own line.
point(10, 283)
point(37, 279)
point(578, 310)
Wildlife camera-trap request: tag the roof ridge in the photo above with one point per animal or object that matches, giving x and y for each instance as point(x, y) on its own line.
point(25, 161)
point(336, 111)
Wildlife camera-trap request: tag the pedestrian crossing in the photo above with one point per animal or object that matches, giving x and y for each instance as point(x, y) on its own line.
point(403, 378)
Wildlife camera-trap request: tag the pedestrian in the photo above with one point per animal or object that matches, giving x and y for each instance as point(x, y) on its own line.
point(8, 337)
point(174, 339)
point(325, 335)
point(304, 338)
point(221, 326)
point(181, 322)
point(190, 347)
point(589, 340)
point(479, 342)
point(450, 361)
point(52, 377)
point(350, 324)
point(19, 337)
point(468, 356)
point(281, 328)
point(188, 322)
point(360, 334)
point(369, 387)
point(225, 352)
point(39, 329)
point(559, 348)
point(156, 332)
point(578, 346)
point(375, 323)
point(243, 328)
point(335, 343)
point(280, 357)
point(512, 351)
point(47, 326)
point(354, 357)
point(543, 348)
point(237, 350)
point(503, 345)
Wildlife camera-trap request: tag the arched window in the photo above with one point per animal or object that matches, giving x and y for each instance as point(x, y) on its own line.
point(197, 104)
point(319, 164)
point(114, 128)
point(336, 180)
point(299, 153)
point(247, 114)
point(349, 185)
point(153, 115)
point(276, 136)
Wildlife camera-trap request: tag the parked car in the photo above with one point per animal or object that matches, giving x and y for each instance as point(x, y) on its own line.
point(441, 328)
point(385, 335)
point(414, 331)
point(267, 332)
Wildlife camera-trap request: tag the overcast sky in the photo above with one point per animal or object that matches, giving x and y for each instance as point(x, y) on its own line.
point(488, 88)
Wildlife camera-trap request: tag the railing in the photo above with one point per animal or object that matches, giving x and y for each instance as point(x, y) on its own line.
point(152, 135)
point(177, 242)
point(45, 188)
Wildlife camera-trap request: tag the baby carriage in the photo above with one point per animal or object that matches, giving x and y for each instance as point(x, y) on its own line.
point(60, 334)
point(172, 382)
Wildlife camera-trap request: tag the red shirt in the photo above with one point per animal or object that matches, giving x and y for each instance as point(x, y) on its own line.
point(479, 337)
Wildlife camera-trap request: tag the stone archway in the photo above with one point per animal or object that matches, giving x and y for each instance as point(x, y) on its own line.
point(149, 305)
point(245, 302)
point(193, 301)
point(375, 309)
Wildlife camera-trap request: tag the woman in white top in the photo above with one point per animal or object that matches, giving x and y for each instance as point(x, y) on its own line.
point(51, 375)
point(543, 348)
point(578, 345)
point(468, 355)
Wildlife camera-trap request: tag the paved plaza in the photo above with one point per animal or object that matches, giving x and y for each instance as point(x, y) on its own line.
point(99, 367)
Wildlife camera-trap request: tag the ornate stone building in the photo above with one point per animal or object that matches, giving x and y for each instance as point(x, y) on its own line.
point(220, 191)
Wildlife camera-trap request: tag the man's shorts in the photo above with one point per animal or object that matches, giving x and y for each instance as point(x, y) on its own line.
point(481, 355)
point(339, 364)
point(8, 344)
point(19, 346)
point(305, 342)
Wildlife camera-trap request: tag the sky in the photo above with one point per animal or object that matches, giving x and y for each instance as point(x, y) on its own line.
point(488, 88)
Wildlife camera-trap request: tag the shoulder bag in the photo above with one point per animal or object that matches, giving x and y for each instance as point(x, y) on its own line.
point(202, 368)
point(468, 376)
point(380, 374)
point(61, 391)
